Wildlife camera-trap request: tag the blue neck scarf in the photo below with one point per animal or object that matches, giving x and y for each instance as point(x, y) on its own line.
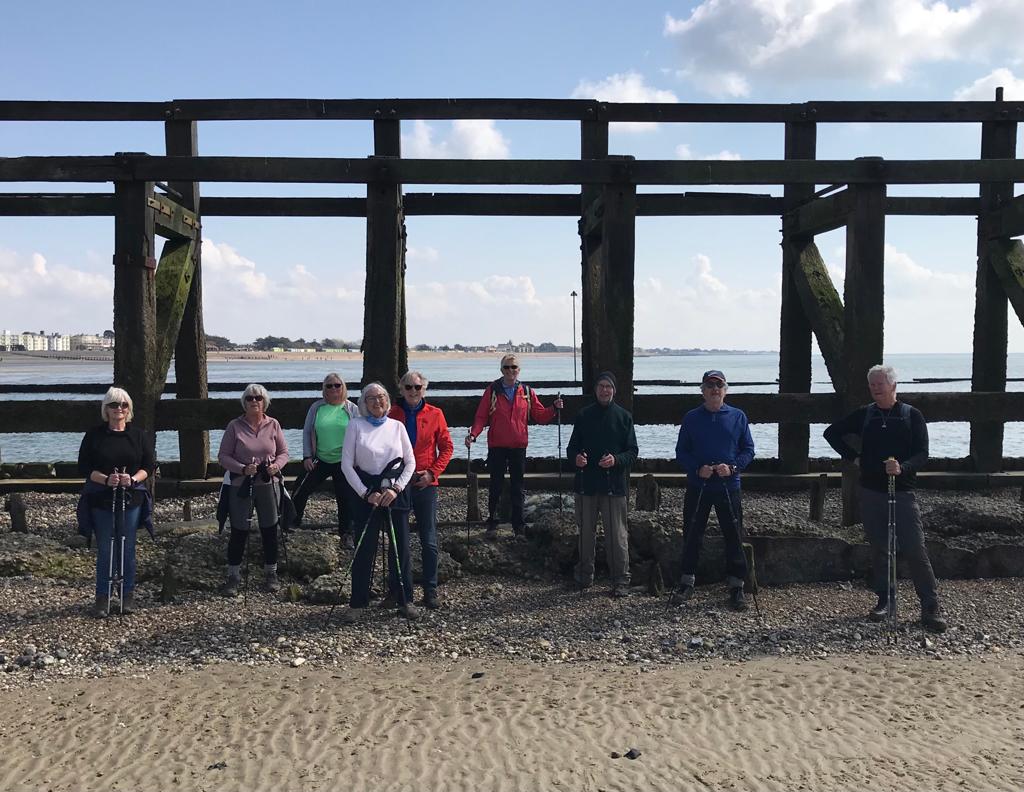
point(410, 419)
point(376, 421)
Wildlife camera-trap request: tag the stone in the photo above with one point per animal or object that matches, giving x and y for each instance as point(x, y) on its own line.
point(23, 554)
point(634, 753)
point(648, 494)
point(17, 508)
point(327, 589)
point(297, 661)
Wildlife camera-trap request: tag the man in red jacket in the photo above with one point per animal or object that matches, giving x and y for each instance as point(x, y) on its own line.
point(432, 447)
point(507, 407)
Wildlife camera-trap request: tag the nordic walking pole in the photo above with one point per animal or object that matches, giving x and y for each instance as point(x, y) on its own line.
point(558, 415)
point(111, 581)
point(120, 560)
point(891, 618)
point(686, 525)
point(362, 535)
point(469, 471)
point(248, 531)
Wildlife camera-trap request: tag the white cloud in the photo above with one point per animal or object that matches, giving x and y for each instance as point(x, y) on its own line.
point(467, 139)
point(685, 152)
point(56, 298)
point(425, 255)
point(627, 87)
point(984, 88)
point(726, 45)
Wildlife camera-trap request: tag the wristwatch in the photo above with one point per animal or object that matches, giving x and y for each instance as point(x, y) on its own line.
point(732, 470)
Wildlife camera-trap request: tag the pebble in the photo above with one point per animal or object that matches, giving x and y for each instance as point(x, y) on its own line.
point(297, 661)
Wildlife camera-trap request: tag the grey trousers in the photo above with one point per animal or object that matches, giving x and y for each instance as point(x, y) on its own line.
point(612, 510)
point(874, 507)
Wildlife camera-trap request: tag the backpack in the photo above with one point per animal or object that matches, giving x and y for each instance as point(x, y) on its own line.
point(494, 397)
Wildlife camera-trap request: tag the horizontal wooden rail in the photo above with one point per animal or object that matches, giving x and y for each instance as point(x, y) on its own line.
point(198, 414)
point(511, 109)
point(310, 170)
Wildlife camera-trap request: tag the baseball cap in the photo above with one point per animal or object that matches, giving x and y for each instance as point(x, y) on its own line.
point(714, 374)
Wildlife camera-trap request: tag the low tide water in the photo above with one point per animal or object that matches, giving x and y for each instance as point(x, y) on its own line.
point(947, 439)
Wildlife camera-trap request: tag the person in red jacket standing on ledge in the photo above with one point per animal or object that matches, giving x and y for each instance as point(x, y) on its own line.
point(432, 447)
point(507, 407)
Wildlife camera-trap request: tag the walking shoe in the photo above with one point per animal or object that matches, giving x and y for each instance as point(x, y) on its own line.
point(128, 602)
point(347, 543)
point(270, 581)
point(881, 609)
point(580, 585)
point(932, 618)
point(491, 534)
point(231, 586)
point(431, 600)
point(353, 615)
point(737, 600)
point(409, 611)
point(620, 591)
point(681, 594)
point(99, 610)
point(390, 601)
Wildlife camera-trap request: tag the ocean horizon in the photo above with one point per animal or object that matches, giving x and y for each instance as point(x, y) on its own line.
point(656, 441)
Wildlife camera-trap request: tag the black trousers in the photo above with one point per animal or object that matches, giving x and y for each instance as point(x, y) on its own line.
point(696, 509)
point(498, 459)
point(307, 484)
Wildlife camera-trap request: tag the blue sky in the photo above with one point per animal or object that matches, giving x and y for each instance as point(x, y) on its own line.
point(700, 281)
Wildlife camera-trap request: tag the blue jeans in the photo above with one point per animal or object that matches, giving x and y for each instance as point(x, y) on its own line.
point(103, 524)
point(424, 506)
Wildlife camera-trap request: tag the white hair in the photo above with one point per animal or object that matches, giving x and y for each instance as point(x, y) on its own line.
point(255, 389)
point(407, 379)
point(886, 371)
point(117, 395)
point(373, 387)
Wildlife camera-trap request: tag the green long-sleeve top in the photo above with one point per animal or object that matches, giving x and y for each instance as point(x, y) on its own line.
point(598, 431)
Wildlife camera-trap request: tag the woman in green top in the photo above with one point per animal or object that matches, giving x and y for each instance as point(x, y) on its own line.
point(322, 437)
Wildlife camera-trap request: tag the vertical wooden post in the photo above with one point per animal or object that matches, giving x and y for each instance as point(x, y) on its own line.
point(593, 145)
point(135, 355)
point(988, 369)
point(794, 326)
point(863, 308)
point(190, 371)
point(385, 346)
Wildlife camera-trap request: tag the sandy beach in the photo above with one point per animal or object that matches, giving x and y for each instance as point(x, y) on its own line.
point(878, 723)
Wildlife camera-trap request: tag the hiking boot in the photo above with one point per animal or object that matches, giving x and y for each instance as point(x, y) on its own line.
point(932, 618)
point(491, 534)
point(99, 610)
point(620, 591)
point(409, 611)
point(580, 585)
point(881, 609)
point(390, 601)
point(353, 615)
point(270, 581)
point(231, 586)
point(737, 600)
point(681, 594)
point(431, 600)
point(128, 602)
point(347, 543)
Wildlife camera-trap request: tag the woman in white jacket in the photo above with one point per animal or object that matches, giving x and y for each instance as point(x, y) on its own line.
point(323, 436)
point(378, 462)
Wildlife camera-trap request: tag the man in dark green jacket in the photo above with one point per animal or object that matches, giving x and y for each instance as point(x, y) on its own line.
point(603, 447)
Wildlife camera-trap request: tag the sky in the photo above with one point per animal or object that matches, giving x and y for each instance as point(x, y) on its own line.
point(700, 282)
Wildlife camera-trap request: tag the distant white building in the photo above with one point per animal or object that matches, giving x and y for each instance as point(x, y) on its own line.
point(91, 341)
point(58, 342)
point(34, 342)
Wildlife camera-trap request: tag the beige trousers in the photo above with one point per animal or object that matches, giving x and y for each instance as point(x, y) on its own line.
point(612, 511)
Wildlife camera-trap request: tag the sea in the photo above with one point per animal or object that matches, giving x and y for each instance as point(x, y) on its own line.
point(656, 442)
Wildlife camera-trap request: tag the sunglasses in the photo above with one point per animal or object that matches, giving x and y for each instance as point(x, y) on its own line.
point(714, 385)
point(255, 398)
point(511, 368)
point(413, 387)
point(334, 385)
point(118, 406)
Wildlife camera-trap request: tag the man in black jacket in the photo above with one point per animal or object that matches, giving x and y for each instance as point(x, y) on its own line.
point(603, 446)
point(894, 442)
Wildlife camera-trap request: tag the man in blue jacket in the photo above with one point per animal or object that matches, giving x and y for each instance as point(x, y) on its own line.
point(714, 447)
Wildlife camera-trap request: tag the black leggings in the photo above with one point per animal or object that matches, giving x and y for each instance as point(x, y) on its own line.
point(239, 539)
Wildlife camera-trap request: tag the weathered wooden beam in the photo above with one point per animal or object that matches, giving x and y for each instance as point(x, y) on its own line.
point(431, 171)
point(819, 215)
point(988, 362)
point(52, 415)
point(56, 204)
point(135, 360)
point(824, 310)
point(690, 204)
point(926, 205)
point(174, 276)
point(794, 324)
point(511, 108)
point(1006, 256)
point(172, 220)
point(181, 138)
point(264, 206)
point(1005, 221)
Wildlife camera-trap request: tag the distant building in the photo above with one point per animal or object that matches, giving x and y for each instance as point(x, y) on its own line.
point(91, 342)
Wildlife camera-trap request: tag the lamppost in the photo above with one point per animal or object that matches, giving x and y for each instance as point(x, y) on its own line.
point(574, 295)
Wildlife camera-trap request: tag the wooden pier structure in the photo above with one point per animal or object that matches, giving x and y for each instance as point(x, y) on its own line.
point(158, 297)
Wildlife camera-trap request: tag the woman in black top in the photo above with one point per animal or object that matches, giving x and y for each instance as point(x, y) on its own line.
point(116, 458)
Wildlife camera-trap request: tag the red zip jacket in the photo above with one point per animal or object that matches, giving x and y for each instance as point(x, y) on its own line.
point(508, 421)
point(433, 450)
